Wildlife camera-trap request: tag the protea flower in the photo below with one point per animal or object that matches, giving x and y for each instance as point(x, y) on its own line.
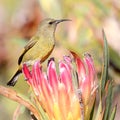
point(67, 90)
point(66, 93)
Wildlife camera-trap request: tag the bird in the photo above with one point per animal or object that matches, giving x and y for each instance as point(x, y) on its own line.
point(39, 47)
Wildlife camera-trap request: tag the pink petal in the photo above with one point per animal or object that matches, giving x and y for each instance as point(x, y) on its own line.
point(91, 69)
point(46, 92)
point(86, 89)
point(80, 67)
point(65, 75)
point(64, 101)
point(68, 60)
point(41, 86)
point(86, 85)
point(37, 74)
point(27, 73)
point(52, 77)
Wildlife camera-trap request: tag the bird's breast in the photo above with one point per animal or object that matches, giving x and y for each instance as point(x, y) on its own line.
point(41, 50)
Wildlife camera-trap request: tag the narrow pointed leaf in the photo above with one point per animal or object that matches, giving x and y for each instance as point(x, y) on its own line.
point(92, 112)
point(108, 102)
point(105, 64)
point(99, 110)
point(112, 116)
point(43, 114)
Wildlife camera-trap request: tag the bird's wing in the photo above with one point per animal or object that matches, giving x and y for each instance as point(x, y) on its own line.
point(29, 45)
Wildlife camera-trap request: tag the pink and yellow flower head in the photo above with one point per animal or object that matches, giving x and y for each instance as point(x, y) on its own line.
point(56, 92)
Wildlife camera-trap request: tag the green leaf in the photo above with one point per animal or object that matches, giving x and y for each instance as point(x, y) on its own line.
point(37, 106)
point(105, 65)
point(112, 116)
point(108, 102)
point(92, 112)
point(43, 114)
point(99, 111)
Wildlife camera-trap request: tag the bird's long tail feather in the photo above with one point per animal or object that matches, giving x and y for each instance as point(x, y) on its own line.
point(13, 80)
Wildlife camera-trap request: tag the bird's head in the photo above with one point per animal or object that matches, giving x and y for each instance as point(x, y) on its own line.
point(49, 25)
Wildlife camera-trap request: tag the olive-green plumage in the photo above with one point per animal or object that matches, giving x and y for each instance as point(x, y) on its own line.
point(39, 47)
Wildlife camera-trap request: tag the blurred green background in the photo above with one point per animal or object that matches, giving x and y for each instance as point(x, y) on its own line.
point(19, 20)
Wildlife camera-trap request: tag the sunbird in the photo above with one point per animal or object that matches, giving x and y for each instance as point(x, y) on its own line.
point(39, 46)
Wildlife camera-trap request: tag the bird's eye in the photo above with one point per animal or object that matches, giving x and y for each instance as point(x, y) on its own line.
point(51, 22)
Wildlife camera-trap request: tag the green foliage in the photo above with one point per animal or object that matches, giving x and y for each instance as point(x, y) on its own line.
point(112, 116)
point(103, 110)
point(105, 65)
point(108, 103)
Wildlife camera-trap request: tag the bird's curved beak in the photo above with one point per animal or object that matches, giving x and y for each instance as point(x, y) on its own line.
point(62, 20)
